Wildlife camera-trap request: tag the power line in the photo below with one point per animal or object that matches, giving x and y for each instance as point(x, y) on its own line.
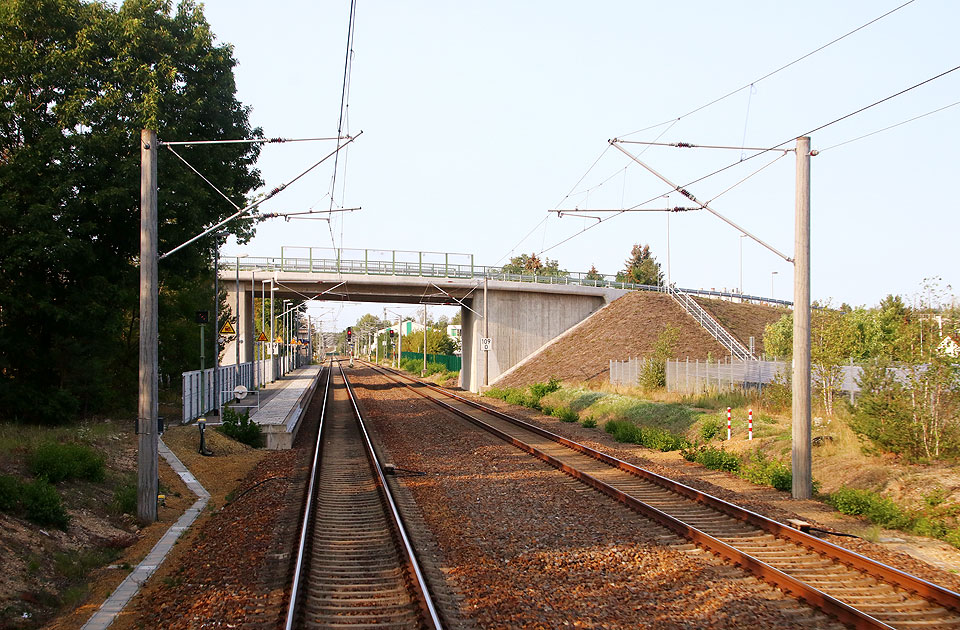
point(688, 145)
point(343, 101)
point(770, 74)
point(772, 148)
point(188, 143)
point(873, 133)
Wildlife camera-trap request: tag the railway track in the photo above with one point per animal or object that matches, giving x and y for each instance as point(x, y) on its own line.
point(856, 590)
point(355, 567)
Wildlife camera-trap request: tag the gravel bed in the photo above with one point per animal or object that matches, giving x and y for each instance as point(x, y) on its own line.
point(766, 501)
point(528, 547)
point(232, 571)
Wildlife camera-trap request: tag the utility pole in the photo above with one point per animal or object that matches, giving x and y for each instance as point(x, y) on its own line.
point(424, 340)
point(216, 326)
point(801, 461)
point(272, 342)
point(147, 425)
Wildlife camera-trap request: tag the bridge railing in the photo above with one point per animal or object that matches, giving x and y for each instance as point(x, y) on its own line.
point(379, 262)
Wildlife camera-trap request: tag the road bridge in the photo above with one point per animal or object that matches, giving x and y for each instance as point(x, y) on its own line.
point(523, 312)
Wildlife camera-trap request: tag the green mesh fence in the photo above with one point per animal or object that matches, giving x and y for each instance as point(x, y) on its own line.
point(453, 363)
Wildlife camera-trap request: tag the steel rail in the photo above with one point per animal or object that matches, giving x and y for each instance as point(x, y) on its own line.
point(844, 612)
point(307, 511)
point(418, 580)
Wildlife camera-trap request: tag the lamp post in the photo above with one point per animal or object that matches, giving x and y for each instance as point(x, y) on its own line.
point(284, 348)
point(742, 236)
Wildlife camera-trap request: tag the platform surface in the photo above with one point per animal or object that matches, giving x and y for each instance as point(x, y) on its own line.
point(289, 389)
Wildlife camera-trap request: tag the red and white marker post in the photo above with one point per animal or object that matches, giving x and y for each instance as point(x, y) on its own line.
point(729, 423)
point(750, 425)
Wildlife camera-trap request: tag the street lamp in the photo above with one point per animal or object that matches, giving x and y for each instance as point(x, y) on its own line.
point(742, 236)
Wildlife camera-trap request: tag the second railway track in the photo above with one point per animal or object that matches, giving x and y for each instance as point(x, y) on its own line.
point(858, 591)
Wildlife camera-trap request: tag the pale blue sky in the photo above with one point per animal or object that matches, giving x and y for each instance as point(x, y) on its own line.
point(480, 117)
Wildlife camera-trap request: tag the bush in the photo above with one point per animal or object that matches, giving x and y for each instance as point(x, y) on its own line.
point(539, 390)
point(125, 499)
point(588, 423)
point(565, 414)
point(241, 428)
point(710, 428)
point(713, 458)
point(10, 491)
point(767, 472)
point(878, 509)
point(42, 504)
point(60, 462)
point(650, 437)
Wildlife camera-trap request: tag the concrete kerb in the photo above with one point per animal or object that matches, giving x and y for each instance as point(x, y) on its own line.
point(121, 596)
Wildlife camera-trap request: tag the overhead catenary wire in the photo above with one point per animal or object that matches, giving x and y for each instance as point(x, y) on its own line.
point(351, 21)
point(683, 191)
point(889, 127)
point(759, 153)
point(257, 203)
point(770, 74)
point(187, 143)
point(201, 176)
point(690, 145)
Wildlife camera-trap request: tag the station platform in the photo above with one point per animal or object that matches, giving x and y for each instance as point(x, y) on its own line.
point(283, 404)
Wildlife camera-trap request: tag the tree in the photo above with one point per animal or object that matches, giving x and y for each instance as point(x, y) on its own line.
point(437, 342)
point(78, 81)
point(524, 264)
point(641, 268)
point(593, 274)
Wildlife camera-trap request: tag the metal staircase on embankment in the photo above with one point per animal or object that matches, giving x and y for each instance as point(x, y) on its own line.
point(732, 344)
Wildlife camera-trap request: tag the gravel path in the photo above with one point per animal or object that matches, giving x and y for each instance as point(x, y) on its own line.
point(528, 547)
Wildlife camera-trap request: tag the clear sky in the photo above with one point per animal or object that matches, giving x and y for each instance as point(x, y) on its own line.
point(478, 118)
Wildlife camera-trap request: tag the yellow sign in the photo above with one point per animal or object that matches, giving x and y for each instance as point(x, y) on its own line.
point(262, 337)
point(227, 328)
point(279, 339)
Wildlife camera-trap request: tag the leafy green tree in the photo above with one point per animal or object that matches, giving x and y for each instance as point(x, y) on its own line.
point(532, 264)
point(593, 274)
point(437, 342)
point(641, 267)
point(778, 337)
point(78, 81)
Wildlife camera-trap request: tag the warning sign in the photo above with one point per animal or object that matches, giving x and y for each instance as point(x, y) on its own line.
point(279, 339)
point(227, 328)
point(262, 337)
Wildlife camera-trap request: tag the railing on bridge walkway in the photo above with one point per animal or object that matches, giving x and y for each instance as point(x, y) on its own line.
point(378, 262)
point(199, 396)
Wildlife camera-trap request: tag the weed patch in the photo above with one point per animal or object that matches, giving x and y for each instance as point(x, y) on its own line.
point(42, 505)
point(61, 462)
point(241, 428)
point(650, 437)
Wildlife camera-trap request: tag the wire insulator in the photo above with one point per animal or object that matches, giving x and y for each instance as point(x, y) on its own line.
point(684, 145)
point(687, 194)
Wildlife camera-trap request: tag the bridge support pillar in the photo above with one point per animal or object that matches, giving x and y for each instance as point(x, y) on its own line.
point(521, 322)
point(243, 321)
